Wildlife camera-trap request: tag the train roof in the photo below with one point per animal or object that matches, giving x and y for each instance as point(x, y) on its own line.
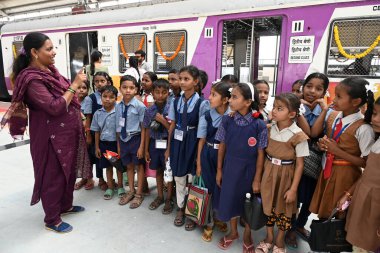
point(171, 10)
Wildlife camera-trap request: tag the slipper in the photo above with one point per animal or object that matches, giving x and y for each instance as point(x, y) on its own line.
point(126, 198)
point(225, 243)
point(179, 219)
point(278, 250)
point(248, 248)
point(89, 185)
point(61, 228)
point(156, 203)
point(108, 194)
point(207, 234)
point(190, 225)
point(137, 201)
point(263, 247)
point(168, 208)
point(74, 209)
point(305, 236)
point(80, 184)
point(291, 240)
point(121, 192)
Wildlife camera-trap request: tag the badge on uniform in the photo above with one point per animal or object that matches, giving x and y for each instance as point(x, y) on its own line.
point(216, 146)
point(252, 141)
point(122, 122)
point(161, 144)
point(178, 135)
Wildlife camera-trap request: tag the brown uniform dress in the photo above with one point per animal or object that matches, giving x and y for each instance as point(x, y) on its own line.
point(328, 191)
point(277, 179)
point(363, 219)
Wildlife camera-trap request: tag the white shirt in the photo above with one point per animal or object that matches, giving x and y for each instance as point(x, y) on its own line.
point(133, 72)
point(146, 66)
point(364, 134)
point(302, 148)
point(376, 147)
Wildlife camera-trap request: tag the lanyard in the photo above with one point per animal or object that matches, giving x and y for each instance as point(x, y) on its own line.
point(340, 132)
point(180, 106)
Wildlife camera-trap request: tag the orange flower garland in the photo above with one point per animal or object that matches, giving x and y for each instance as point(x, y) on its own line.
point(122, 48)
point(176, 51)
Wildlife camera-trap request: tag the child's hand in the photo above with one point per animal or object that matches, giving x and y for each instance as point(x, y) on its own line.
point(331, 145)
point(342, 201)
point(256, 186)
point(290, 196)
point(321, 103)
point(147, 157)
point(304, 102)
point(167, 154)
point(219, 178)
point(160, 118)
point(199, 170)
point(98, 153)
point(88, 139)
point(140, 153)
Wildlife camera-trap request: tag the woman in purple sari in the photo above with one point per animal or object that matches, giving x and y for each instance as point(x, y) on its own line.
point(57, 142)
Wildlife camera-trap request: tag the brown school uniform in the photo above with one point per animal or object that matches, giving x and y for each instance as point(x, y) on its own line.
point(328, 191)
point(277, 179)
point(363, 219)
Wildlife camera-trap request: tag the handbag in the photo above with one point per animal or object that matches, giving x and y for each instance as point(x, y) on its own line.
point(114, 160)
point(198, 205)
point(253, 213)
point(329, 235)
point(313, 163)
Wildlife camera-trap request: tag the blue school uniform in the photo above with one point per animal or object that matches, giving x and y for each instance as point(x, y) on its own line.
point(157, 155)
point(186, 115)
point(242, 135)
point(105, 123)
point(128, 123)
point(207, 128)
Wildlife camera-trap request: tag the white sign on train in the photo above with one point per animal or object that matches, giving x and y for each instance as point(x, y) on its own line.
point(107, 55)
point(301, 49)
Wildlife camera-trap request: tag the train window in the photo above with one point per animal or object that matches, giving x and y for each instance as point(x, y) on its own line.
point(128, 45)
point(354, 48)
point(16, 47)
point(169, 51)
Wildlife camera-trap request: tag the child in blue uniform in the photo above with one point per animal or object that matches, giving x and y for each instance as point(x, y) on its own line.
point(156, 139)
point(130, 138)
point(184, 113)
point(104, 126)
point(243, 138)
point(208, 146)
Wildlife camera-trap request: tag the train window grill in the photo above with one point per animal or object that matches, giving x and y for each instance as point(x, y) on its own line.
point(356, 37)
point(129, 44)
point(16, 47)
point(169, 51)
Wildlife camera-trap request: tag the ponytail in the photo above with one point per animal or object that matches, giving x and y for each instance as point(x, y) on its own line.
point(95, 56)
point(370, 105)
point(21, 62)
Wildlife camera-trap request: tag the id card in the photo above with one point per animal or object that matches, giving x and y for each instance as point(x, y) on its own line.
point(178, 135)
point(161, 144)
point(122, 122)
point(216, 146)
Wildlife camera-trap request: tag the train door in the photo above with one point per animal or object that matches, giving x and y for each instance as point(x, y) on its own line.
point(80, 46)
point(250, 49)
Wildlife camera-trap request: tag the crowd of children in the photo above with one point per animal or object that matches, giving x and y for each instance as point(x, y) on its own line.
point(300, 152)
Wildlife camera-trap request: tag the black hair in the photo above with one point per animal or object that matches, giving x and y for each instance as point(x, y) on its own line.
point(245, 91)
point(203, 78)
point(103, 74)
point(32, 40)
point(143, 54)
point(173, 71)
point(320, 76)
point(192, 70)
point(222, 88)
point(152, 75)
point(292, 102)
point(230, 79)
point(110, 88)
point(299, 81)
point(132, 79)
point(134, 63)
point(357, 89)
point(161, 83)
point(95, 56)
point(256, 82)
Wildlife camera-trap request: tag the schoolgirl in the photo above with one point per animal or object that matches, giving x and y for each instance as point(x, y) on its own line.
point(147, 81)
point(263, 90)
point(184, 114)
point(208, 146)
point(283, 168)
point(242, 138)
point(347, 143)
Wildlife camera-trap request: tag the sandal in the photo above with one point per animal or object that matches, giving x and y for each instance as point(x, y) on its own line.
point(180, 218)
point(108, 194)
point(225, 243)
point(61, 228)
point(136, 202)
point(168, 208)
point(126, 198)
point(80, 184)
point(190, 225)
point(156, 203)
point(207, 234)
point(222, 226)
point(263, 247)
point(278, 250)
point(248, 248)
point(291, 240)
point(103, 185)
point(89, 185)
point(121, 192)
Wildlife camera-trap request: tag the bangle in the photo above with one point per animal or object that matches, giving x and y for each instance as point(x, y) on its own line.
point(83, 118)
point(71, 90)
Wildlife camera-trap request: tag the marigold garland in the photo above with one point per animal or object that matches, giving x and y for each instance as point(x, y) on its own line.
point(14, 51)
point(355, 56)
point(122, 48)
point(176, 51)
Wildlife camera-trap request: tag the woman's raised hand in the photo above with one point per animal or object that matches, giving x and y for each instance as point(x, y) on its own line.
point(80, 78)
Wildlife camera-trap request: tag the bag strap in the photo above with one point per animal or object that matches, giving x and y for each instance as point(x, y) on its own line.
point(198, 181)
